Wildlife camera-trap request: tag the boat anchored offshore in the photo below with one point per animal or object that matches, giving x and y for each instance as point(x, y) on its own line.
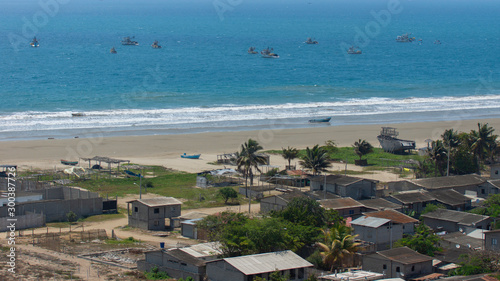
point(390, 143)
point(405, 38)
point(34, 43)
point(113, 50)
point(268, 53)
point(354, 51)
point(252, 51)
point(323, 120)
point(311, 41)
point(129, 41)
point(155, 45)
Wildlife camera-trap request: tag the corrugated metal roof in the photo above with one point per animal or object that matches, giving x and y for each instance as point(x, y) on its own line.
point(268, 262)
point(380, 204)
point(370, 222)
point(450, 197)
point(449, 182)
point(455, 216)
point(413, 197)
point(404, 255)
point(340, 203)
point(392, 215)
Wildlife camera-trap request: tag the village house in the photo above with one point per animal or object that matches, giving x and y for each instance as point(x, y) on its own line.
point(412, 201)
point(459, 183)
point(279, 202)
point(398, 263)
point(347, 207)
point(182, 262)
point(453, 221)
point(150, 214)
point(491, 239)
point(246, 268)
point(495, 171)
point(489, 187)
point(345, 186)
point(459, 240)
point(451, 199)
point(407, 223)
point(382, 232)
point(381, 204)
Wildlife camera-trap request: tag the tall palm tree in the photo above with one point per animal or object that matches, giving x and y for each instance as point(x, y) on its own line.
point(315, 159)
point(451, 138)
point(248, 158)
point(289, 154)
point(362, 147)
point(438, 154)
point(481, 141)
point(338, 245)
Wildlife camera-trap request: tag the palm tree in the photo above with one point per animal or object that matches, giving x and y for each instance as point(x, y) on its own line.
point(248, 158)
point(481, 141)
point(315, 159)
point(438, 154)
point(362, 147)
point(451, 138)
point(338, 245)
point(289, 154)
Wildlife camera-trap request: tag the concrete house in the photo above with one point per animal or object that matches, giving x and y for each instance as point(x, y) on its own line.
point(495, 171)
point(451, 199)
point(407, 223)
point(491, 186)
point(412, 201)
point(345, 186)
point(381, 232)
point(181, 262)
point(279, 202)
point(398, 263)
point(491, 239)
point(347, 207)
point(150, 214)
point(453, 221)
point(459, 240)
point(245, 268)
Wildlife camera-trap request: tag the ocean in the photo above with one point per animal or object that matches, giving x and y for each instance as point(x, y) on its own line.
point(203, 79)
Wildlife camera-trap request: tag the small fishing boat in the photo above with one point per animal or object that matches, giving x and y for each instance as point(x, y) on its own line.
point(34, 43)
point(311, 41)
point(252, 51)
point(322, 120)
point(70, 163)
point(155, 45)
point(130, 173)
point(129, 41)
point(268, 53)
point(113, 50)
point(437, 42)
point(78, 114)
point(405, 38)
point(192, 156)
point(354, 51)
point(390, 142)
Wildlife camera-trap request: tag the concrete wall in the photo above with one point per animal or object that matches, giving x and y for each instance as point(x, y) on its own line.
point(23, 222)
point(222, 271)
point(171, 265)
point(272, 203)
point(381, 236)
point(144, 217)
point(359, 190)
point(189, 231)
point(492, 241)
point(376, 263)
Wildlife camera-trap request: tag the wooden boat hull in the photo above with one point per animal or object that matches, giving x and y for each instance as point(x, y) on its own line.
point(324, 120)
point(70, 163)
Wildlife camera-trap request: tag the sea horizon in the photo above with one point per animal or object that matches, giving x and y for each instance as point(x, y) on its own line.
point(203, 79)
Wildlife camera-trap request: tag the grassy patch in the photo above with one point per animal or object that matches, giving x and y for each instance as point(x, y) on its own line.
point(126, 241)
point(104, 217)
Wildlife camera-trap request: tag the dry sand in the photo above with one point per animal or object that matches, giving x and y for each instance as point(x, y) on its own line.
point(165, 150)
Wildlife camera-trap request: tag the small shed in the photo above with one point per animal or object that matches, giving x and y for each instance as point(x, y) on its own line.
point(150, 214)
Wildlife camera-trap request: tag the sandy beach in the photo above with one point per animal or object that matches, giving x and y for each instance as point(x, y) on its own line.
point(165, 150)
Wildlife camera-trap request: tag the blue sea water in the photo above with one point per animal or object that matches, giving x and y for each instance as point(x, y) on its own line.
point(203, 79)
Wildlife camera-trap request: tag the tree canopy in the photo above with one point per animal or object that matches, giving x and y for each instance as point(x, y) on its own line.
point(423, 241)
point(316, 159)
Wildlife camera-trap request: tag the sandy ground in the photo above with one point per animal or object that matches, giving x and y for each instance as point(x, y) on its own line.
point(165, 150)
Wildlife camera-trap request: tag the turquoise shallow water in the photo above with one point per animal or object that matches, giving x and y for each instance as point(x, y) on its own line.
point(204, 80)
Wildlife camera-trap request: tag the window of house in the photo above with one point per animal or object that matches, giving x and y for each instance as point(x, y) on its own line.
point(183, 263)
point(413, 268)
point(494, 241)
point(403, 227)
point(482, 191)
point(172, 208)
point(496, 172)
point(157, 210)
point(320, 187)
point(301, 273)
point(398, 269)
point(351, 212)
point(136, 209)
point(292, 274)
point(384, 266)
point(156, 223)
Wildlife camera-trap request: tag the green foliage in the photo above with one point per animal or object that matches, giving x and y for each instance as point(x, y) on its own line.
point(248, 158)
point(423, 241)
point(228, 193)
point(303, 211)
point(330, 147)
point(316, 159)
point(71, 216)
point(155, 274)
point(214, 224)
point(289, 154)
point(337, 244)
point(126, 241)
point(462, 161)
point(362, 148)
point(317, 260)
point(491, 207)
point(432, 207)
point(149, 184)
point(272, 172)
point(312, 277)
point(478, 262)
point(189, 278)
point(276, 276)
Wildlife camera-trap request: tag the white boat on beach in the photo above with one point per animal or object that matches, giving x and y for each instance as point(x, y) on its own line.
point(390, 143)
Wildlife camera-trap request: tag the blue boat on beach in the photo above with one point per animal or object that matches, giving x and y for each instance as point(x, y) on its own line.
point(193, 156)
point(130, 173)
point(323, 120)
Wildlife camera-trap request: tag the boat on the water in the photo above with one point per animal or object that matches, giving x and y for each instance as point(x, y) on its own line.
point(354, 51)
point(390, 142)
point(252, 51)
point(322, 120)
point(191, 156)
point(311, 41)
point(34, 43)
point(128, 41)
point(70, 163)
point(437, 42)
point(405, 38)
point(113, 50)
point(78, 114)
point(268, 53)
point(155, 45)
